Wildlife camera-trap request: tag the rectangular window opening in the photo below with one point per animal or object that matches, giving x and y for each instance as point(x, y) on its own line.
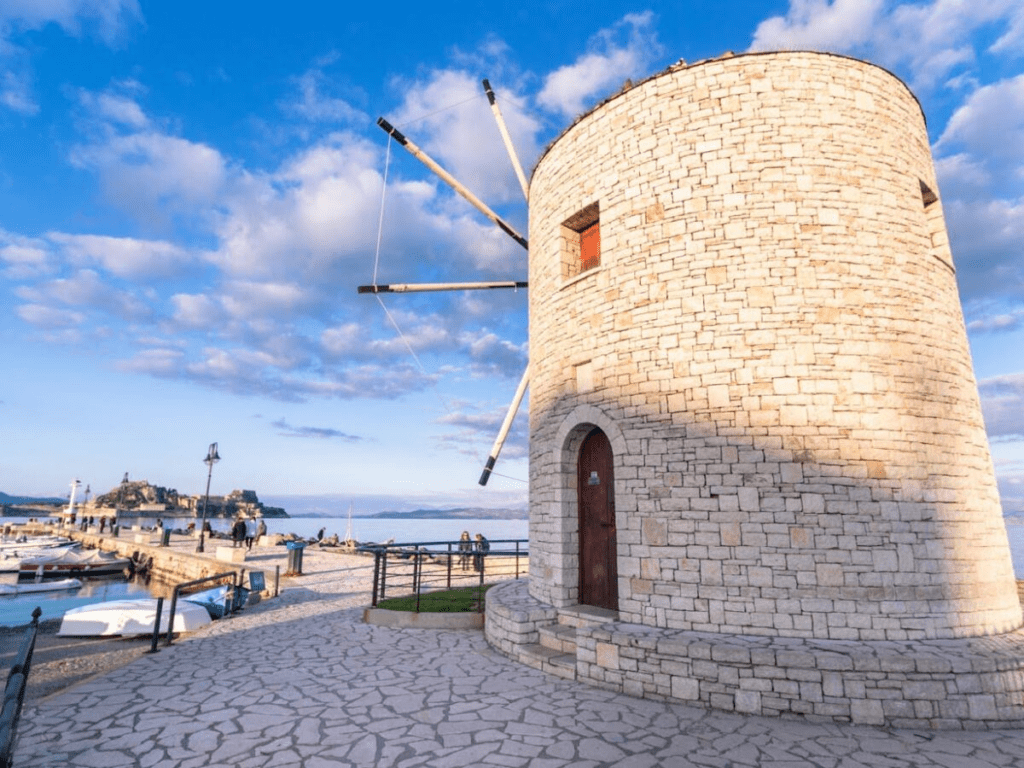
point(581, 242)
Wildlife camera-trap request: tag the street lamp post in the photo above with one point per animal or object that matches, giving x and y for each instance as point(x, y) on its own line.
point(212, 457)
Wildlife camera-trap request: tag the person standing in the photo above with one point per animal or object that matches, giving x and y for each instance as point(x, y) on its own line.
point(482, 548)
point(238, 533)
point(250, 533)
point(465, 550)
point(261, 531)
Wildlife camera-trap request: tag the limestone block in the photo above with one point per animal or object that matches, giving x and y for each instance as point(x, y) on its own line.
point(231, 554)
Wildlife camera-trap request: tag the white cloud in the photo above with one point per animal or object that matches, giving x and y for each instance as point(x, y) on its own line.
point(1002, 402)
point(448, 115)
point(123, 256)
point(493, 355)
point(86, 289)
point(989, 128)
point(109, 18)
point(24, 257)
point(152, 174)
point(16, 92)
point(986, 236)
point(312, 103)
point(476, 431)
point(932, 39)
point(819, 24)
point(996, 323)
point(45, 316)
point(573, 88)
point(253, 299)
point(162, 362)
point(196, 311)
point(116, 108)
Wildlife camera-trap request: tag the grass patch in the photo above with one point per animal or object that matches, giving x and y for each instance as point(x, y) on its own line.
point(464, 600)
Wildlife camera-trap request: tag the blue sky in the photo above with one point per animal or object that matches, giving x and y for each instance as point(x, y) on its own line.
point(190, 193)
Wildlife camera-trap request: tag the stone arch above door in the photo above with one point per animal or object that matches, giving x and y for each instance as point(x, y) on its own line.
point(573, 429)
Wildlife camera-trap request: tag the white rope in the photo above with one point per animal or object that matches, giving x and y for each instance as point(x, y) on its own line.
point(380, 221)
point(394, 323)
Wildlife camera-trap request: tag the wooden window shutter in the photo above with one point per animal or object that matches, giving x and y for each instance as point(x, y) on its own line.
point(590, 247)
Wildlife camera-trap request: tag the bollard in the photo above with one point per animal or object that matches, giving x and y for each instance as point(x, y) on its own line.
point(277, 580)
point(156, 625)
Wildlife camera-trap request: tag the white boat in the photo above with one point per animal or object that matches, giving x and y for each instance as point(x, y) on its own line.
point(219, 600)
point(11, 559)
point(72, 563)
point(42, 586)
point(130, 617)
point(36, 542)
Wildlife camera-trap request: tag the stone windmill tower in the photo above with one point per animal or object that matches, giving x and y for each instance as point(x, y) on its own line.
point(754, 426)
point(759, 476)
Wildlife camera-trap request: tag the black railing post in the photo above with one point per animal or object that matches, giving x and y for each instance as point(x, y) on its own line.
point(170, 619)
point(384, 574)
point(14, 692)
point(156, 625)
point(448, 580)
point(376, 576)
point(417, 577)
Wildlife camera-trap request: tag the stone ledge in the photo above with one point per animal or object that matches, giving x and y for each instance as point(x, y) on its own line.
point(382, 617)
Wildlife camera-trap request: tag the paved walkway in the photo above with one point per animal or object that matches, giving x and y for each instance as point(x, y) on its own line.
point(301, 681)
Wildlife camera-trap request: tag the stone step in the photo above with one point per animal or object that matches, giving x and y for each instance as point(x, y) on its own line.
point(558, 637)
point(585, 616)
point(548, 660)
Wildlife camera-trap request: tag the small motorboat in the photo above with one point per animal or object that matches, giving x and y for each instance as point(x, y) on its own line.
point(72, 563)
point(219, 601)
point(11, 558)
point(35, 542)
point(43, 586)
point(130, 617)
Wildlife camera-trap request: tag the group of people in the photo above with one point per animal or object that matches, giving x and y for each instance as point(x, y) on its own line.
point(474, 551)
point(247, 531)
point(88, 522)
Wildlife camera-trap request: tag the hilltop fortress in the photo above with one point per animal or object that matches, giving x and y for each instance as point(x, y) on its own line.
point(138, 498)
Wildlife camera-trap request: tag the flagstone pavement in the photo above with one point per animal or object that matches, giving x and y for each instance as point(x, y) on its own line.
point(300, 680)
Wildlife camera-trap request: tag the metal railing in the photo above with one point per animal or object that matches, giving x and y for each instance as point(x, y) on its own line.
point(14, 692)
point(411, 569)
point(188, 585)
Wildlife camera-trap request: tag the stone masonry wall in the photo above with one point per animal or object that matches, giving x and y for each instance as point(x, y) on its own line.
point(774, 343)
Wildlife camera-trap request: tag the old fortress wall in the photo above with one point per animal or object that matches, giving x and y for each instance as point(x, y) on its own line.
point(774, 346)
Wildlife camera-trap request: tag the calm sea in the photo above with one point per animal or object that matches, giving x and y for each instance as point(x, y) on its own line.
point(15, 611)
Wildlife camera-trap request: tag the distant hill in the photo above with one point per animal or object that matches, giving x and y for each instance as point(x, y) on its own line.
point(5, 499)
point(461, 513)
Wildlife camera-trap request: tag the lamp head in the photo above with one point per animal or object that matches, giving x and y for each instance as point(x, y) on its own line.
point(212, 457)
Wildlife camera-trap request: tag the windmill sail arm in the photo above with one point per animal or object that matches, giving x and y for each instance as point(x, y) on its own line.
point(424, 287)
point(503, 130)
point(424, 158)
point(505, 426)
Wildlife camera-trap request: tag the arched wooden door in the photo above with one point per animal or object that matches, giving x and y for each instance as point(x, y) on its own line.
point(596, 496)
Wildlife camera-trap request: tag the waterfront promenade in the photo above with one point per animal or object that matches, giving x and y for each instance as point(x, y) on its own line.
point(300, 681)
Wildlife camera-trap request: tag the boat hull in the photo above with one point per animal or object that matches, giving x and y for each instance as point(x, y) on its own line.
point(45, 586)
point(129, 617)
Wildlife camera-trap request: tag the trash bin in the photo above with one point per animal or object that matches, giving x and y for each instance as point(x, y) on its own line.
point(165, 537)
point(115, 530)
point(295, 549)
